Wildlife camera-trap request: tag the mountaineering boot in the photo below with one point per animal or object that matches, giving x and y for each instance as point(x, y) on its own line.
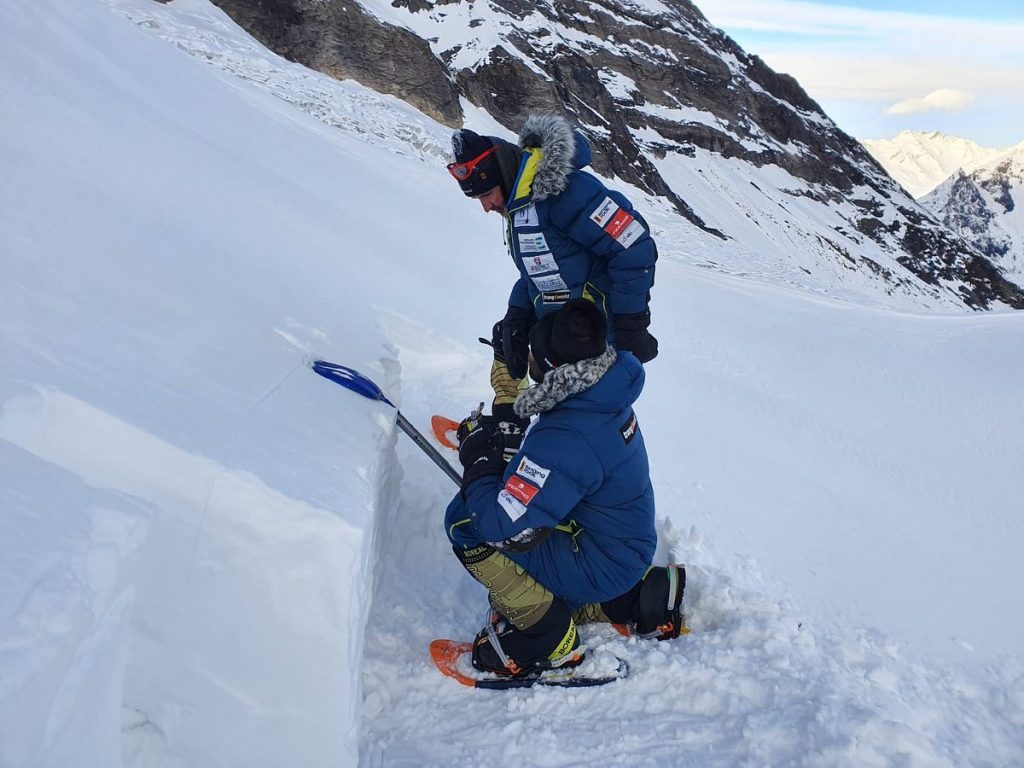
point(528, 627)
point(660, 613)
point(503, 649)
point(653, 607)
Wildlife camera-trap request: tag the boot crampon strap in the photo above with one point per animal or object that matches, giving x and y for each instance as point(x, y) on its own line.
point(659, 612)
point(502, 649)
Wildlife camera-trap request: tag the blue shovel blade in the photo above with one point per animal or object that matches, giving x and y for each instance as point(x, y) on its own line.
point(350, 379)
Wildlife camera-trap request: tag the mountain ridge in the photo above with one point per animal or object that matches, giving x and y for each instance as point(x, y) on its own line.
point(672, 106)
point(986, 207)
point(921, 160)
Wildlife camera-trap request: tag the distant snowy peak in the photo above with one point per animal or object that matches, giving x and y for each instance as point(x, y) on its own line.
point(921, 161)
point(986, 208)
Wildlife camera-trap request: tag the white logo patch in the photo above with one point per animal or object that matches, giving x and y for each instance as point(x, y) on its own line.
point(550, 283)
point(630, 234)
point(535, 473)
point(526, 217)
point(534, 243)
point(513, 506)
point(604, 212)
point(543, 262)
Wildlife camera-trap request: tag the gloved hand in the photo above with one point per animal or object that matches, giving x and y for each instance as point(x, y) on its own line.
point(506, 389)
point(480, 448)
point(496, 342)
point(631, 335)
point(515, 340)
point(511, 430)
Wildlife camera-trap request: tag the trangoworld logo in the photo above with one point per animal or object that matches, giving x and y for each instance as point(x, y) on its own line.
point(555, 297)
point(533, 472)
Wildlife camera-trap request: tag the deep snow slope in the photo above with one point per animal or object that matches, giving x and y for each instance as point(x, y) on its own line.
point(186, 513)
point(194, 528)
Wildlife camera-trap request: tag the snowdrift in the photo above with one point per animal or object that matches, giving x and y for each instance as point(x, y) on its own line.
point(187, 511)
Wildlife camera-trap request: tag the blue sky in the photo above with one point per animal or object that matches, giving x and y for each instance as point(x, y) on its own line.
point(878, 67)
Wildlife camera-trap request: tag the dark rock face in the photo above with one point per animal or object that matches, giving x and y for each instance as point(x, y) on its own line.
point(641, 86)
point(1000, 187)
point(960, 204)
point(342, 40)
point(966, 211)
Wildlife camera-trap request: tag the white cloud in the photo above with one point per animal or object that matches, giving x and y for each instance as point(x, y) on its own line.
point(879, 55)
point(943, 100)
point(857, 61)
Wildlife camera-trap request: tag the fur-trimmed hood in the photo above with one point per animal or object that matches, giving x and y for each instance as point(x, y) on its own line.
point(564, 151)
point(605, 384)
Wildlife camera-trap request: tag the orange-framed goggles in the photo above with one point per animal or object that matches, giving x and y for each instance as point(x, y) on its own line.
point(462, 171)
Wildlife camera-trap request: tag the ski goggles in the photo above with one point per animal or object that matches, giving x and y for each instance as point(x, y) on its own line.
point(462, 171)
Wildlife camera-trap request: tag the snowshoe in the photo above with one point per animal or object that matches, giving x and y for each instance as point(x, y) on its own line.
point(454, 659)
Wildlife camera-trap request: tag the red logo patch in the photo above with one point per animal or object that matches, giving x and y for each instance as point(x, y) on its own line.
point(618, 224)
point(521, 489)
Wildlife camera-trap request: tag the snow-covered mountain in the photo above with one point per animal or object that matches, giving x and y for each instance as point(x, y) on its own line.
point(209, 556)
point(762, 178)
point(986, 207)
point(920, 161)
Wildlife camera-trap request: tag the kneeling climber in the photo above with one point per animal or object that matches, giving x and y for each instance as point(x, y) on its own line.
point(559, 525)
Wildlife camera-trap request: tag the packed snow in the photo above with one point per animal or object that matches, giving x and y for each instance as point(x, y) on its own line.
point(209, 556)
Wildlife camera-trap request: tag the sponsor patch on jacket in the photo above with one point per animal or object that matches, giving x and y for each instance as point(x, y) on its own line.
point(618, 223)
point(521, 489)
point(630, 428)
point(534, 242)
point(550, 283)
point(542, 262)
point(630, 234)
point(555, 297)
point(604, 212)
point(533, 472)
point(527, 217)
point(512, 506)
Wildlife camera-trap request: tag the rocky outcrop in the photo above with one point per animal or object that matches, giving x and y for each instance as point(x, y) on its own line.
point(978, 207)
point(343, 40)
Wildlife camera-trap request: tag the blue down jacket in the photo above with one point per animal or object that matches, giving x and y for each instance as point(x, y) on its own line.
point(568, 234)
point(583, 467)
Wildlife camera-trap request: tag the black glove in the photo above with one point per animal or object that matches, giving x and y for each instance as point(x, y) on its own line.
point(511, 430)
point(496, 342)
point(515, 340)
point(480, 449)
point(631, 335)
point(506, 388)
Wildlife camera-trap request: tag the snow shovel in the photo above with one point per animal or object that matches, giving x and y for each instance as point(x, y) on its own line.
point(353, 380)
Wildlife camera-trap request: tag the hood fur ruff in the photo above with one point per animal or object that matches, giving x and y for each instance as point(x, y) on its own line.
point(555, 137)
point(564, 382)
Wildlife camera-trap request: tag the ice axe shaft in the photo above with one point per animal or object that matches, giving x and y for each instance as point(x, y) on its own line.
point(352, 380)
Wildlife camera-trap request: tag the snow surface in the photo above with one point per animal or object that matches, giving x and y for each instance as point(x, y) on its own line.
point(209, 556)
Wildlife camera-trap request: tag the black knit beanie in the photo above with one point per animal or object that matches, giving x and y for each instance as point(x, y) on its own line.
point(466, 146)
point(575, 332)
